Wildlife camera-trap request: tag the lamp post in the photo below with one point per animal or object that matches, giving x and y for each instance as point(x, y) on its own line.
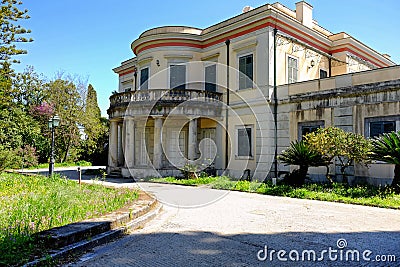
point(52, 123)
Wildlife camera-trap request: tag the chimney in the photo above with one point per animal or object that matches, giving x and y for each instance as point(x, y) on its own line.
point(304, 13)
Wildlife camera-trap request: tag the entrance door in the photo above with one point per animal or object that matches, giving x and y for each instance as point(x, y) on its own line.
point(142, 137)
point(208, 148)
point(176, 153)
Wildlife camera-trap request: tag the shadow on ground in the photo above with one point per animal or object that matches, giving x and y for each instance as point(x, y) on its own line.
point(196, 248)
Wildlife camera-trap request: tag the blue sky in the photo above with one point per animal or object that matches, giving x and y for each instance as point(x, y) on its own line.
point(89, 38)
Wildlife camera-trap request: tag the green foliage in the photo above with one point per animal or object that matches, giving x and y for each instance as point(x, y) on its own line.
point(8, 158)
point(67, 101)
point(347, 147)
point(300, 153)
point(35, 203)
point(387, 148)
point(17, 128)
point(173, 180)
point(96, 130)
point(29, 86)
point(11, 33)
point(190, 170)
point(22, 157)
point(223, 182)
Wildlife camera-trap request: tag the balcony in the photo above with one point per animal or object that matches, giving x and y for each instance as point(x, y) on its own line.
point(162, 101)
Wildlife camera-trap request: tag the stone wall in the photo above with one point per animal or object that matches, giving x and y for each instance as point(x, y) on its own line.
point(347, 108)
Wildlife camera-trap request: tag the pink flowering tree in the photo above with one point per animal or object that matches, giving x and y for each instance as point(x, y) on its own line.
point(45, 110)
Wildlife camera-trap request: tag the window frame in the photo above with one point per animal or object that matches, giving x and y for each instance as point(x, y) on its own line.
point(314, 124)
point(287, 68)
point(325, 72)
point(369, 120)
point(140, 78)
point(183, 64)
point(251, 145)
point(239, 56)
point(210, 64)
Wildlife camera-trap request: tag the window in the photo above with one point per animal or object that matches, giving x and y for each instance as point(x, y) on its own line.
point(323, 74)
point(211, 78)
point(380, 125)
point(246, 72)
point(144, 77)
point(292, 70)
point(127, 89)
point(177, 76)
point(244, 142)
point(309, 127)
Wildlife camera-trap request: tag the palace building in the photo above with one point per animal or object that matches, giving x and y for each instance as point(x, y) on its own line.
point(230, 97)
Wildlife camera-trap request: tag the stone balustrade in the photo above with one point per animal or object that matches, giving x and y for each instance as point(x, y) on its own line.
point(164, 95)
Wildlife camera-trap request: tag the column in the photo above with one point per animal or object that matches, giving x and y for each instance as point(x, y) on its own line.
point(192, 139)
point(113, 144)
point(120, 145)
point(157, 155)
point(129, 142)
point(220, 141)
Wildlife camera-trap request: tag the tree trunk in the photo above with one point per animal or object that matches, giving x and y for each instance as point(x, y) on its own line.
point(396, 179)
point(328, 177)
point(67, 150)
point(302, 174)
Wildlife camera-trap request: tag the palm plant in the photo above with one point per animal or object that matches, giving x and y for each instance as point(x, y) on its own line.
point(386, 148)
point(300, 153)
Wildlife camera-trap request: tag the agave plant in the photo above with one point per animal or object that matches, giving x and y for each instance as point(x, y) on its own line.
point(299, 153)
point(386, 148)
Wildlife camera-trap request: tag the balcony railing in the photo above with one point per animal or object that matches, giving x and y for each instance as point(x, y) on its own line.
point(164, 95)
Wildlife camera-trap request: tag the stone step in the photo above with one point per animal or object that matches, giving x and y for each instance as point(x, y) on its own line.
point(114, 174)
point(71, 238)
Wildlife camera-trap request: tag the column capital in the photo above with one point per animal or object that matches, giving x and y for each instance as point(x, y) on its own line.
point(129, 118)
point(158, 116)
point(114, 120)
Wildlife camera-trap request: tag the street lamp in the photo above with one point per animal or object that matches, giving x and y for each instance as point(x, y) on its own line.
point(52, 123)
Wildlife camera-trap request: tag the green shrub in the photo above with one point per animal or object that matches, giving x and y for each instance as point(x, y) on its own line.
point(386, 148)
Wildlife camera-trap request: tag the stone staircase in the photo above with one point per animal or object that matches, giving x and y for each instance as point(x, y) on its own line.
point(114, 174)
point(75, 239)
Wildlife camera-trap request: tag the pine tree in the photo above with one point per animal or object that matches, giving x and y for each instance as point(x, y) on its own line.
point(11, 33)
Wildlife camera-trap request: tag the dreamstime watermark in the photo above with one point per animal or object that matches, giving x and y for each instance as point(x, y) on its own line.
point(338, 253)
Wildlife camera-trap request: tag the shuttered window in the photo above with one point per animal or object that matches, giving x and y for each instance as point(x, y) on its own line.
point(144, 77)
point(246, 72)
point(211, 78)
point(292, 70)
point(177, 79)
point(244, 142)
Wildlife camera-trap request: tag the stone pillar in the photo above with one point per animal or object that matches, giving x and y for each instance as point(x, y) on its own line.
point(120, 145)
point(220, 141)
point(129, 142)
point(157, 155)
point(113, 144)
point(192, 139)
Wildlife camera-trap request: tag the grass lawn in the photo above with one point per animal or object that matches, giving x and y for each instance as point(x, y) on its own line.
point(30, 204)
point(367, 195)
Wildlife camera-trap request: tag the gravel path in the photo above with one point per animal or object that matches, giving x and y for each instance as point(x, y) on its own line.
point(205, 227)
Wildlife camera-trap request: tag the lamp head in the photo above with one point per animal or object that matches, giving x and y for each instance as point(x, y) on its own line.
point(56, 120)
